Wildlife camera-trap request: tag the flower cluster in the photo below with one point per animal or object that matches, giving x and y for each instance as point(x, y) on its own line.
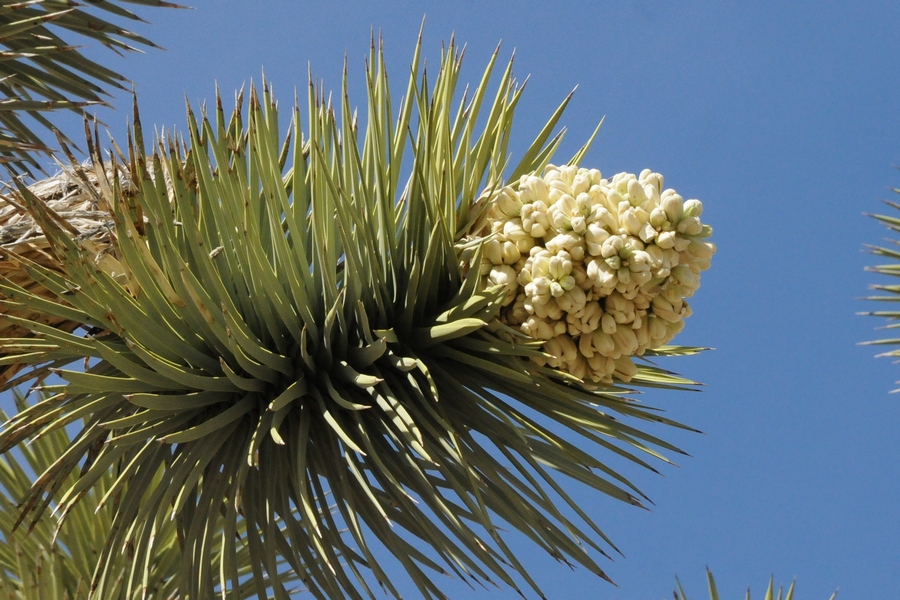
point(597, 268)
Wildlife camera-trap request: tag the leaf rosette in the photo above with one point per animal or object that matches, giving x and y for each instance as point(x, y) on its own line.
point(286, 350)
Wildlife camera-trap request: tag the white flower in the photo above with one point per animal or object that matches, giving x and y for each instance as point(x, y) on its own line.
point(598, 269)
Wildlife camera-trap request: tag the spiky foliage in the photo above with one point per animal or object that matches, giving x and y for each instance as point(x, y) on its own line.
point(679, 594)
point(57, 557)
point(891, 292)
point(41, 70)
point(287, 327)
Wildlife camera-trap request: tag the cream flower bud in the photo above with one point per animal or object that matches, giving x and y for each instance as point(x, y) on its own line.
point(517, 313)
point(513, 231)
point(658, 330)
point(629, 222)
point(673, 295)
point(636, 194)
point(577, 366)
point(573, 300)
point(556, 290)
point(493, 251)
point(647, 232)
point(639, 278)
point(702, 250)
point(682, 275)
point(539, 289)
point(612, 246)
point(673, 204)
point(693, 208)
point(581, 183)
point(586, 319)
point(578, 224)
point(525, 245)
point(620, 182)
point(655, 256)
point(583, 203)
point(621, 307)
point(654, 179)
point(542, 329)
point(585, 347)
point(601, 274)
point(666, 239)
point(601, 368)
point(559, 265)
point(533, 189)
point(626, 340)
point(625, 369)
point(565, 348)
point(568, 172)
point(614, 198)
point(558, 184)
point(569, 243)
point(510, 253)
point(600, 214)
point(642, 333)
point(640, 261)
point(603, 342)
point(608, 323)
point(581, 277)
point(664, 310)
point(681, 244)
point(658, 217)
point(527, 212)
point(507, 202)
point(594, 237)
point(633, 244)
point(504, 275)
point(690, 226)
point(552, 310)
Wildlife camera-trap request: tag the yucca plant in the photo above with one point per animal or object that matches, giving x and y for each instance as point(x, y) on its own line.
point(56, 557)
point(891, 292)
point(293, 344)
point(771, 594)
point(41, 70)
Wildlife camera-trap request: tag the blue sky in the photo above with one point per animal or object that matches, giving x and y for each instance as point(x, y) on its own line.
point(782, 118)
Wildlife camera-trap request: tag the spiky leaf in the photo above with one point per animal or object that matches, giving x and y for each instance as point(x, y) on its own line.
point(771, 594)
point(42, 69)
point(889, 293)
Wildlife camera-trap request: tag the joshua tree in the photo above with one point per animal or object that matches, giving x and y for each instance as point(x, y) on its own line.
point(297, 346)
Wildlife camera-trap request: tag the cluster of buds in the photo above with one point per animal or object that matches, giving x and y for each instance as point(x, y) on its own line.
point(597, 268)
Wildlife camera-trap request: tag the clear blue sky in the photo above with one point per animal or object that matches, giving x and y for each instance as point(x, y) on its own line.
point(783, 118)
